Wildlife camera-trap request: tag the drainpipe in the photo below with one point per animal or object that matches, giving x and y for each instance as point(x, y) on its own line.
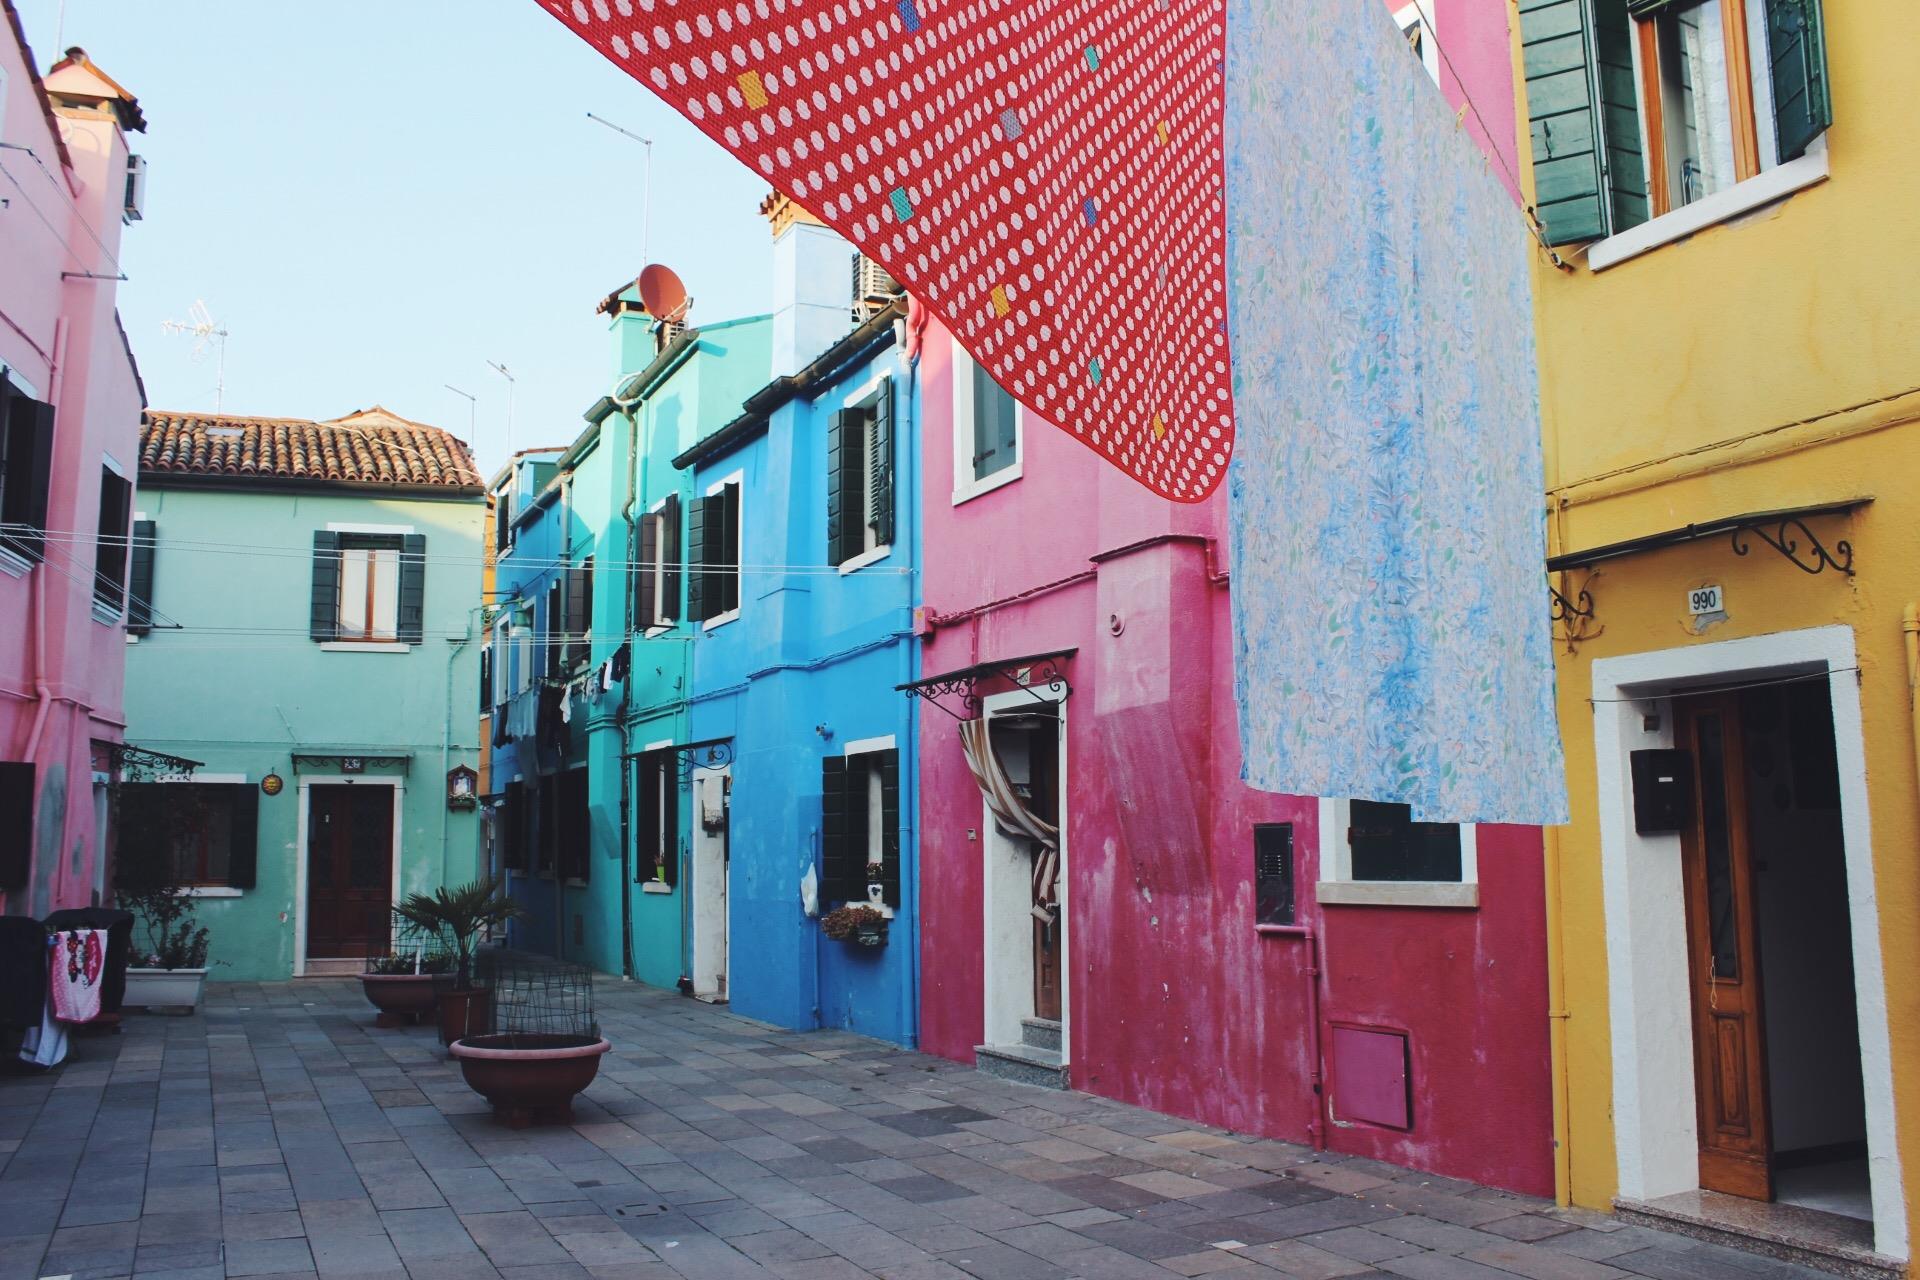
point(627, 966)
point(41, 689)
point(1910, 624)
point(446, 737)
point(1557, 1012)
point(1316, 1127)
point(909, 512)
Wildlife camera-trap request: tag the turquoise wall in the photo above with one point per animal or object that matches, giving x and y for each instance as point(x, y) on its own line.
point(242, 688)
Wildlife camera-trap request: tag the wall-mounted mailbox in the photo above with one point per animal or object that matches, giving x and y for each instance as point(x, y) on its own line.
point(1662, 791)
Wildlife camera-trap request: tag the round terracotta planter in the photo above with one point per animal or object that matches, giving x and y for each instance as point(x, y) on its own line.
point(463, 1013)
point(403, 999)
point(530, 1079)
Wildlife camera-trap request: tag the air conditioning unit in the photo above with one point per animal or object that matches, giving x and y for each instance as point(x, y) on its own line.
point(873, 288)
point(136, 203)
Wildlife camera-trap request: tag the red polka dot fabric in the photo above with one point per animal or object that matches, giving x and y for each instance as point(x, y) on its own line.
point(1045, 175)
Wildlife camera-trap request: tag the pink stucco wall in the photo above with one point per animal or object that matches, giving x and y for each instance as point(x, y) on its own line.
point(1175, 1001)
point(61, 671)
point(1478, 68)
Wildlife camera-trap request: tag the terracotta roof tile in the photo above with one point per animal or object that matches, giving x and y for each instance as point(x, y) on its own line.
point(372, 446)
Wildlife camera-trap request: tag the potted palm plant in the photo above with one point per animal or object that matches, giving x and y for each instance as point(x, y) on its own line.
point(401, 984)
point(457, 918)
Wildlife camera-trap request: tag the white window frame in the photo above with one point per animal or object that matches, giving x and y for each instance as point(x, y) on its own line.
point(739, 541)
point(868, 397)
point(1337, 887)
point(672, 779)
point(965, 486)
point(1406, 17)
point(875, 835)
point(654, 627)
point(208, 779)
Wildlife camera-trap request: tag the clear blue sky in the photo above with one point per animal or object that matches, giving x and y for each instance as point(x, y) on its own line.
point(377, 196)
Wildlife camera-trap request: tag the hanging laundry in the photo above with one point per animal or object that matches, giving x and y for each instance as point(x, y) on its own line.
point(606, 676)
point(622, 658)
point(566, 704)
point(75, 968)
point(46, 1044)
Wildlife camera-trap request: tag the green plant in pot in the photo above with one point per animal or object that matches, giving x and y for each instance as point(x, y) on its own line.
point(458, 918)
point(856, 923)
point(168, 966)
point(401, 984)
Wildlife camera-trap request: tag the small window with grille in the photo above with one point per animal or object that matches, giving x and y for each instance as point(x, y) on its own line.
point(1273, 873)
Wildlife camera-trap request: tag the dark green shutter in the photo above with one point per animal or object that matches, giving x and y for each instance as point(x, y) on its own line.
point(646, 583)
point(579, 581)
point(648, 855)
point(325, 618)
point(699, 599)
point(486, 678)
point(1797, 64)
point(880, 467)
point(558, 653)
point(670, 575)
point(29, 474)
point(837, 434)
point(413, 588)
point(840, 864)
point(889, 765)
point(244, 860)
point(140, 580)
point(16, 823)
point(730, 539)
point(1565, 127)
point(1624, 163)
point(670, 823)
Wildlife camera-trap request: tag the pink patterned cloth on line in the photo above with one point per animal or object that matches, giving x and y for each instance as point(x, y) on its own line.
point(74, 973)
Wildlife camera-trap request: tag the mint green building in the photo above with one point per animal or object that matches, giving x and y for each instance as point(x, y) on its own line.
point(306, 622)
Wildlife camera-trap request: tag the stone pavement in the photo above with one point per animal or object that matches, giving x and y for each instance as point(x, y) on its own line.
point(277, 1133)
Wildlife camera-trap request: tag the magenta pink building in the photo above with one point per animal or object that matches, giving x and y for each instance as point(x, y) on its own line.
point(1311, 969)
point(70, 403)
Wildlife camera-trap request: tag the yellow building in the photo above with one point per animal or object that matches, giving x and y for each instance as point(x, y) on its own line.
point(1729, 341)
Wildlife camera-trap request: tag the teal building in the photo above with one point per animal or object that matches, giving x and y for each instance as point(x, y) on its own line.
point(312, 638)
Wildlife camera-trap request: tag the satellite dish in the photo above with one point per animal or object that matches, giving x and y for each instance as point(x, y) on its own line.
point(660, 289)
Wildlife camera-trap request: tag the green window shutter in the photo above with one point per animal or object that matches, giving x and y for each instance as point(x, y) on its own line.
point(413, 588)
point(880, 471)
point(837, 487)
point(29, 474)
point(1562, 120)
point(1625, 163)
point(670, 576)
point(646, 593)
point(889, 766)
point(670, 823)
point(243, 863)
point(16, 823)
point(648, 834)
point(556, 633)
point(140, 580)
point(486, 678)
point(324, 624)
point(840, 866)
point(579, 614)
point(1797, 64)
point(729, 519)
point(699, 598)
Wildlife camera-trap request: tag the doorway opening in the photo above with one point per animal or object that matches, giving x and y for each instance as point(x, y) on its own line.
point(712, 823)
point(1777, 1064)
point(350, 870)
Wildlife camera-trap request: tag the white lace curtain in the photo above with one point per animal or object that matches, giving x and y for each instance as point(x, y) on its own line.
point(1013, 816)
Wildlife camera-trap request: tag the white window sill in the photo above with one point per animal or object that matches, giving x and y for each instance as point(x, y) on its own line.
point(105, 614)
point(132, 638)
point(14, 565)
point(1742, 197)
point(1005, 476)
point(721, 620)
point(1397, 893)
point(865, 558)
point(655, 886)
point(366, 646)
point(212, 891)
point(655, 632)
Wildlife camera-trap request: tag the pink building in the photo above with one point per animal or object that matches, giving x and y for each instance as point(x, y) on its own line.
point(70, 404)
point(1315, 970)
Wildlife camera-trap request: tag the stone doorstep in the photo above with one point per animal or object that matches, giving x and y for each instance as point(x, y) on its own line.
point(1813, 1238)
point(1022, 1064)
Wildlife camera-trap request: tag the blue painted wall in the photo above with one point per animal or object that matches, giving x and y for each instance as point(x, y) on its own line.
point(808, 667)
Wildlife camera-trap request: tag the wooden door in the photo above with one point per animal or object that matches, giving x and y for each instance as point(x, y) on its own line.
point(1044, 761)
point(349, 870)
point(1730, 1068)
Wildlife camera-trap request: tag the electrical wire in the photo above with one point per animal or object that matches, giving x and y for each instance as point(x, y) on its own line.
point(1690, 691)
point(66, 196)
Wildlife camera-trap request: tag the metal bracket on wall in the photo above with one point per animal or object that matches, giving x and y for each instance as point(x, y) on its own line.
point(714, 753)
point(141, 764)
point(1784, 537)
point(1032, 673)
point(1565, 610)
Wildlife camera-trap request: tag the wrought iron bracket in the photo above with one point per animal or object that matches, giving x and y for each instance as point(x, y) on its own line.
point(1784, 536)
point(1032, 674)
point(141, 764)
point(1565, 610)
point(714, 753)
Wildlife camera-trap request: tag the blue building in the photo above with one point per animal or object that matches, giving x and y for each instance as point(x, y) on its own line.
point(801, 549)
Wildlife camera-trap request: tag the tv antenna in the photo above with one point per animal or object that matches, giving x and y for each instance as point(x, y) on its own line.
point(501, 369)
point(646, 183)
point(206, 334)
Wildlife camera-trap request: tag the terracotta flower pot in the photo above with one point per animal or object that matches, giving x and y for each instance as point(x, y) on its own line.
point(463, 1013)
point(403, 999)
point(530, 1079)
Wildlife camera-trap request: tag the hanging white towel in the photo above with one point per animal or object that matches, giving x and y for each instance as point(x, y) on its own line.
point(566, 705)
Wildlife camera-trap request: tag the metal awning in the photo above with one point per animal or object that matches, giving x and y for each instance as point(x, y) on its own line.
point(1785, 530)
point(1027, 672)
point(350, 760)
point(140, 764)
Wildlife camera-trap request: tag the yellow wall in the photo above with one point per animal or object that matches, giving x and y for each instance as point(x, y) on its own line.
point(1670, 389)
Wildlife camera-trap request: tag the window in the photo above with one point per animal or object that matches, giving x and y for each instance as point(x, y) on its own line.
point(860, 823)
point(512, 827)
point(1375, 854)
point(26, 471)
point(570, 619)
point(1416, 24)
point(657, 577)
point(200, 833)
point(860, 480)
point(1273, 873)
point(486, 679)
point(140, 578)
point(368, 587)
point(1639, 108)
point(110, 540)
point(658, 861)
point(713, 555)
point(987, 444)
point(16, 823)
point(503, 517)
point(570, 821)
